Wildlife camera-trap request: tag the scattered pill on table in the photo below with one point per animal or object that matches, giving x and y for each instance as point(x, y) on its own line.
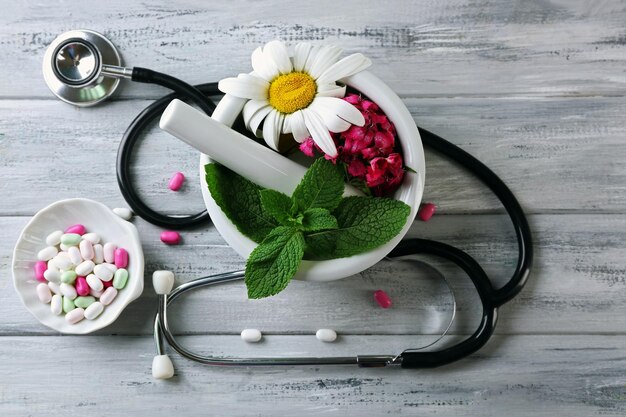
point(382, 298)
point(123, 212)
point(170, 237)
point(426, 211)
point(176, 182)
point(326, 335)
point(251, 335)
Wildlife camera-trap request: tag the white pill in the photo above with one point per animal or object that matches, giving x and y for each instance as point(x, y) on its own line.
point(43, 292)
point(53, 265)
point(163, 281)
point(86, 249)
point(68, 290)
point(56, 304)
point(74, 255)
point(54, 287)
point(123, 212)
point(92, 237)
point(109, 252)
point(64, 247)
point(98, 253)
point(63, 261)
point(251, 335)
point(94, 310)
point(96, 294)
point(111, 267)
point(75, 315)
point(47, 253)
point(94, 282)
point(52, 275)
point(326, 335)
point(84, 268)
point(54, 238)
point(103, 272)
point(108, 296)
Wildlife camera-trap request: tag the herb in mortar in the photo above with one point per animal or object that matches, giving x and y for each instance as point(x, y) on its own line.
point(314, 223)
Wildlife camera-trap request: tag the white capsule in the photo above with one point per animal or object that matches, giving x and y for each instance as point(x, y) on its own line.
point(56, 304)
point(98, 253)
point(326, 335)
point(251, 335)
point(74, 255)
point(75, 315)
point(109, 252)
point(54, 287)
point(96, 294)
point(92, 237)
point(94, 282)
point(84, 268)
point(54, 238)
point(52, 275)
point(43, 292)
point(63, 261)
point(65, 247)
point(108, 296)
point(94, 310)
point(68, 290)
point(53, 265)
point(103, 272)
point(162, 281)
point(123, 212)
point(47, 253)
point(112, 267)
point(86, 249)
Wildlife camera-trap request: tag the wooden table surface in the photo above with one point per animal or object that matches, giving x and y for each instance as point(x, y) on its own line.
point(535, 89)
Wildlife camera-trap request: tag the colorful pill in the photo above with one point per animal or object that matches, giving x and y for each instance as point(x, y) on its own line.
point(40, 269)
point(54, 238)
point(102, 272)
point(43, 292)
point(94, 282)
point(64, 247)
point(74, 257)
point(86, 249)
point(170, 237)
point(47, 253)
point(98, 253)
point(68, 277)
point(108, 296)
point(56, 304)
point(176, 181)
point(84, 268)
point(70, 239)
point(78, 229)
point(84, 301)
point(94, 310)
point(121, 258)
point(68, 291)
point(68, 305)
point(251, 335)
point(123, 212)
point(107, 284)
point(120, 278)
point(382, 298)
point(75, 315)
point(109, 252)
point(92, 237)
point(81, 286)
point(326, 335)
point(426, 211)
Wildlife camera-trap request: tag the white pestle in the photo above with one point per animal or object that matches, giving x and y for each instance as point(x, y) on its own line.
point(235, 151)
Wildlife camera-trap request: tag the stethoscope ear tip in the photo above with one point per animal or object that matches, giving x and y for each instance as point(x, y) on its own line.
point(162, 367)
point(163, 282)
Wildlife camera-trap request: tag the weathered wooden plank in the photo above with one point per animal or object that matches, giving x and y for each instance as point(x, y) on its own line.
point(512, 375)
point(420, 47)
point(556, 154)
point(576, 285)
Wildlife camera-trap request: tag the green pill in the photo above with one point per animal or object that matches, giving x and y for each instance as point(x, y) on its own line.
point(68, 277)
point(84, 302)
point(68, 305)
point(70, 239)
point(120, 278)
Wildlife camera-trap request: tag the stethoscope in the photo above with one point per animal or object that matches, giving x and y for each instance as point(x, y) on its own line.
point(83, 68)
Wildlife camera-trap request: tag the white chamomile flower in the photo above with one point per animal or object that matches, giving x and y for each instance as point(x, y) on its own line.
point(297, 94)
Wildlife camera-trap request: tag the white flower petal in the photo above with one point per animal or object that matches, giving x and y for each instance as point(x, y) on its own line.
point(344, 68)
point(272, 127)
point(300, 56)
point(245, 86)
point(251, 108)
point(320, 133)
point(286, 124)
point(333, 122)
point(324, 58)
point(265, 68)
point(277, 52)
point(297, 126)
point(341, 108)
point(331, 90)
point(256, 119)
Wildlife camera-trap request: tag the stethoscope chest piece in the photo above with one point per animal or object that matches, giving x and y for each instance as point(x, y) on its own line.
point(73, 67)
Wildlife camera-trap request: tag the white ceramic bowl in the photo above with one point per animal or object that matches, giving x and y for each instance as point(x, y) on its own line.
point(96, 217)
point(410, 191)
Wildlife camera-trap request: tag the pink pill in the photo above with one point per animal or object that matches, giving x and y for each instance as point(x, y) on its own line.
point(170, 237)
point(107, 284)
point(121, 258)
point(82, 288)
point(427, 211)
point(176, 181)
point(77, 228)
point(40, 268)
point(382, 298)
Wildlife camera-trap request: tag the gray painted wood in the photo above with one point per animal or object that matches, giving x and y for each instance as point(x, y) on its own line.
point(533, 88)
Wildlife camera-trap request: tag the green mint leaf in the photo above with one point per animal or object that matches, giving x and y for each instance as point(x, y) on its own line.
point(322, 186)
point(274, 262)
point(240, 201)
point(277, 205)
point(364, 224)
point(317, 219)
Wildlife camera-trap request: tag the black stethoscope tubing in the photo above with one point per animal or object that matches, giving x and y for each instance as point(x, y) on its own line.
point(491, 298)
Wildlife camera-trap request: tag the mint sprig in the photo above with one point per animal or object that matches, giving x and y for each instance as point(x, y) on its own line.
point(315, 221)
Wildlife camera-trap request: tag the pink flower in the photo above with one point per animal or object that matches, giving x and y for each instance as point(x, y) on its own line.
point(307, 147)
point(384, 175)
point(356, 168)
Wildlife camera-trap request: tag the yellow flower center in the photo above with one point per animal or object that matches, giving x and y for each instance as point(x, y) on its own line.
point(291, 92)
